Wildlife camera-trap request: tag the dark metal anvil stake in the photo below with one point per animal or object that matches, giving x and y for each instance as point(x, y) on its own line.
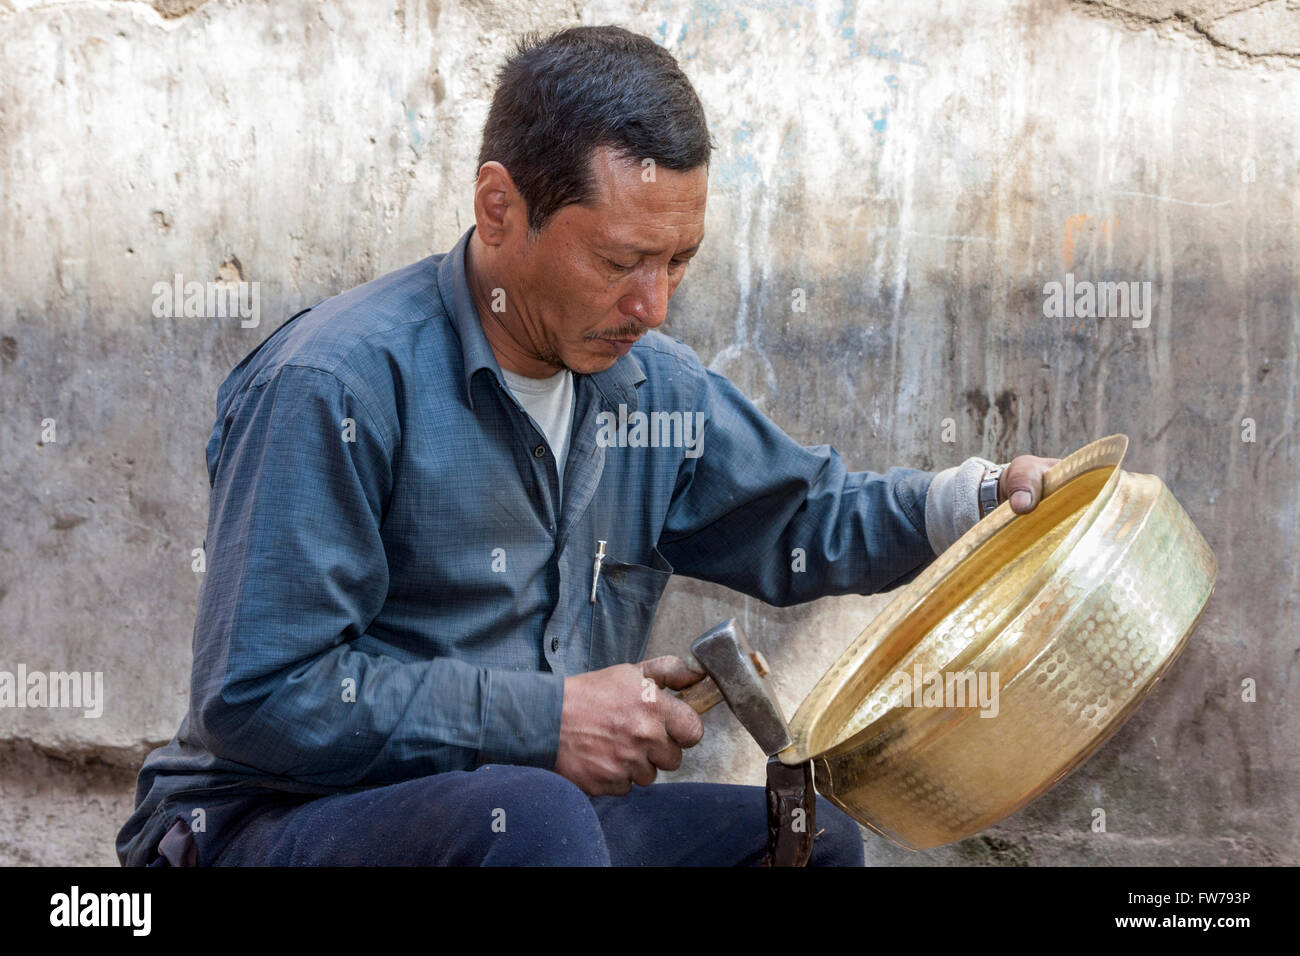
point(736, 675)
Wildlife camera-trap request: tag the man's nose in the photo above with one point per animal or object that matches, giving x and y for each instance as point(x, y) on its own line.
point(649, 301)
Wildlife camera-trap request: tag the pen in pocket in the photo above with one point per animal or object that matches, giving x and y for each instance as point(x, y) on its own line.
point(595, 570)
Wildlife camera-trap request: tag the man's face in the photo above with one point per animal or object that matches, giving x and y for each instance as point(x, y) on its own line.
point(599, 275)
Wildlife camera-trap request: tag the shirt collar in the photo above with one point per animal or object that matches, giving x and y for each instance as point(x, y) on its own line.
point(617, 383)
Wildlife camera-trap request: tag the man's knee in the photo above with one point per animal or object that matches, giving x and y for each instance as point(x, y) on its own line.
point(538, 818)
point(840, 843)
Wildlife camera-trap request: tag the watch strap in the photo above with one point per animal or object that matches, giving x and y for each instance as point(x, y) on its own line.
point(988, 493)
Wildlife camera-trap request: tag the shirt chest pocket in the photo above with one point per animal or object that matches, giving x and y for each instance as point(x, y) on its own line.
point(626, 598)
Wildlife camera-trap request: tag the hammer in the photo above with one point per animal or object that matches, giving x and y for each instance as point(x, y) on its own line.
point(735, 674)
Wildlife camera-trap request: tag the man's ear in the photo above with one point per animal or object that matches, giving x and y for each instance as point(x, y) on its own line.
point(498, 207)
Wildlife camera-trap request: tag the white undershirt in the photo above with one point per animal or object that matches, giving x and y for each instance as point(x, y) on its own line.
point(550, 403)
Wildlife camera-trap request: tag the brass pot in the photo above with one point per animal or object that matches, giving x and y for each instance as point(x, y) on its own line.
point(1013, 657)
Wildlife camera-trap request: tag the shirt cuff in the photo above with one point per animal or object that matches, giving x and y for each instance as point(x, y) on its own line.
point(521, 721)
point(952, 506)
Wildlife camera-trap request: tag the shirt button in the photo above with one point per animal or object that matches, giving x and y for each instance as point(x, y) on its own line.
point(555, 644)
point(539, 451)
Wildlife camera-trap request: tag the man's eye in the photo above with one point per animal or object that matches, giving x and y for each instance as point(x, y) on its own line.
point(619, 266)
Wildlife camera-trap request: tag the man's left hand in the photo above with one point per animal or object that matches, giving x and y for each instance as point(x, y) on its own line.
point(1022, 482)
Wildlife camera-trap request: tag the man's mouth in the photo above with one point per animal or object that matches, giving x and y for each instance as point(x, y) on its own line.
point(625, 337)
point(618, 346)
point(622, 335)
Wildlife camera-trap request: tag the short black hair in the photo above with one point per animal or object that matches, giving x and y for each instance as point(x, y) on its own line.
point(561, 97)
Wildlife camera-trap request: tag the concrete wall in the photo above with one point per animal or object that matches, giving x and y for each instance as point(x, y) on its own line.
point(920, 170)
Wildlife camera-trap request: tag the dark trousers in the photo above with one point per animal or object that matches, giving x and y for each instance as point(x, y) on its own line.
point(522, 816)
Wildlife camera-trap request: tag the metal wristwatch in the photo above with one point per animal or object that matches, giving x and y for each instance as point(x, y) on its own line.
point(988, 498)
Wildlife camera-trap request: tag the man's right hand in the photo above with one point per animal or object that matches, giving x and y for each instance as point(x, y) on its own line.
point(618, 725)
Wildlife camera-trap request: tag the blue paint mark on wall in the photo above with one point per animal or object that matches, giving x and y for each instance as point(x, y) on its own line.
point(847, 9)
point(412, 130)
point(881, 50)
point(708, 15)
point(740, 169)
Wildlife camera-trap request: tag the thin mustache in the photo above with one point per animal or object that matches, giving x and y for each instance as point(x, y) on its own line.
point(622, 335)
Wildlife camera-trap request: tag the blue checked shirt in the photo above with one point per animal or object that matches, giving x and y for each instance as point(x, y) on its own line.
point(394, 589)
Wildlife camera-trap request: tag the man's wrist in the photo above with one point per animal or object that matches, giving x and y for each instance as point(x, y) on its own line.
point(990, 494)
point(952, 504)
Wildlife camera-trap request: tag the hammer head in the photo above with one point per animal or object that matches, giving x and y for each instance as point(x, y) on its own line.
point(725, 655)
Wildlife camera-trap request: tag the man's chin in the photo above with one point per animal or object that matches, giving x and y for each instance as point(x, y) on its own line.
point(591, 366)
point(596, 358)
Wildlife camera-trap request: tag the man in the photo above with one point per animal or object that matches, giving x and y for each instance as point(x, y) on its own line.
point(436, 546)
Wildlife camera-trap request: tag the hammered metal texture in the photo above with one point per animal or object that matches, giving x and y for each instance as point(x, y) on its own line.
point(1077, 608)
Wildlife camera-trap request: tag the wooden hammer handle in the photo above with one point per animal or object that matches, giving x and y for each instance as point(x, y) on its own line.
point(702, 695)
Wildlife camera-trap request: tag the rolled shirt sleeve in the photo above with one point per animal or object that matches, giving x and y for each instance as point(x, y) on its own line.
point(760, 513)
point(296, 573)
point(952, 507)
